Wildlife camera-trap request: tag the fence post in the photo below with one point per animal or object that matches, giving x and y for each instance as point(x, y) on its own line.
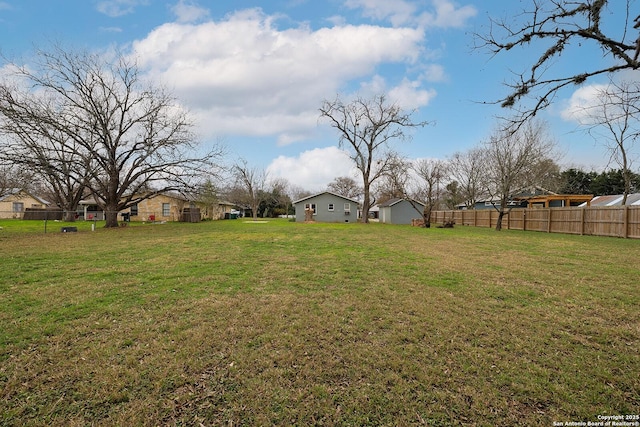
point(549, 220)
point(582, 216)
point(625, 221)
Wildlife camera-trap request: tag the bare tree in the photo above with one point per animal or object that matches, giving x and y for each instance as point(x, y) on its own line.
point(13, 176)
point(613, 121)
point(394, 183)
point(417, 182)
point(251, 183)
point(48, 152)
point(366, 128)
point(453, 197)
point(557, 27)
point(512, 160)
point(207, 196)
point(548, 174)
point(280, 191)
point(345, 186)
point(86, 109)
point(431, 172)
point(296, 192)
point(468, 168)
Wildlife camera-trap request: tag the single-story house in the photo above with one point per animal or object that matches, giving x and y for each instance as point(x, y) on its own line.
point(159, 207)
point(616, 200)
point(223, 210)
point(400, 211)
point(162, 207)
point(326, 207)
point(15, 201)
point(214, 209)
point(534, 197)
point(495, 203)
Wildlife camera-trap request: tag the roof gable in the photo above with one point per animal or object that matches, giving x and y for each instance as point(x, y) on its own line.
point(325, 192)
point(16, 192)
point(392, 202)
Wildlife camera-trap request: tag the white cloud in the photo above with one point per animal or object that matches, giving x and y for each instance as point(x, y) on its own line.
point(115, 8)
point(313, 170)
point(435, 73)
point(8, 70)
point(408, 94)
point(245, 76)
point(446, 14)
point(337, 20)
point(398, 12)
point(187, 11)
point(580, 106)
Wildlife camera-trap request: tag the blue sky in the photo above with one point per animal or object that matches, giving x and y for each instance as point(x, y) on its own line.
point(254, 74)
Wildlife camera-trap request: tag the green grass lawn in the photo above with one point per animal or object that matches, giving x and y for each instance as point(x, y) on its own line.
point(281, 323)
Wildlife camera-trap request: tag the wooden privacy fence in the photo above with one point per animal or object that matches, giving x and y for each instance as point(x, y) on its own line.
point(615, 221)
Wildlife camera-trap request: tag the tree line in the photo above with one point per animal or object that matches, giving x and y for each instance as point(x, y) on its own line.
point(88, 124)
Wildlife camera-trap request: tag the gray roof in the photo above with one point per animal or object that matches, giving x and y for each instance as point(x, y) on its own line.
point(325, 192)
point(395, 201)
point(616, 200)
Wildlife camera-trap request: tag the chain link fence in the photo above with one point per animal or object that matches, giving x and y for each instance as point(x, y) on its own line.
point(54, 214)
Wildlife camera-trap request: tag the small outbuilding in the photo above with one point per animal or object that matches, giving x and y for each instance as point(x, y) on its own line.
point(400, 211)
point(326, 207)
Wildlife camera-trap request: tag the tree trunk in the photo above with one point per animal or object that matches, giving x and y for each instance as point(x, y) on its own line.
point(426, 216)
point(365, 211)
point(111, 217)
point(366, 201)
point(69, 216)
point(500, 216)
point(626, 173)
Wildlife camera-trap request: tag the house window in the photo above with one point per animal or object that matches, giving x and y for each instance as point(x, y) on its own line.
point(311, 206)
point(347, 208)
point(18, 206)
point(330, 207)
point(166, 209)
point(134, 210)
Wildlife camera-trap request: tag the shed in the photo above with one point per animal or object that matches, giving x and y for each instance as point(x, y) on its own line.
point(400, 211)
